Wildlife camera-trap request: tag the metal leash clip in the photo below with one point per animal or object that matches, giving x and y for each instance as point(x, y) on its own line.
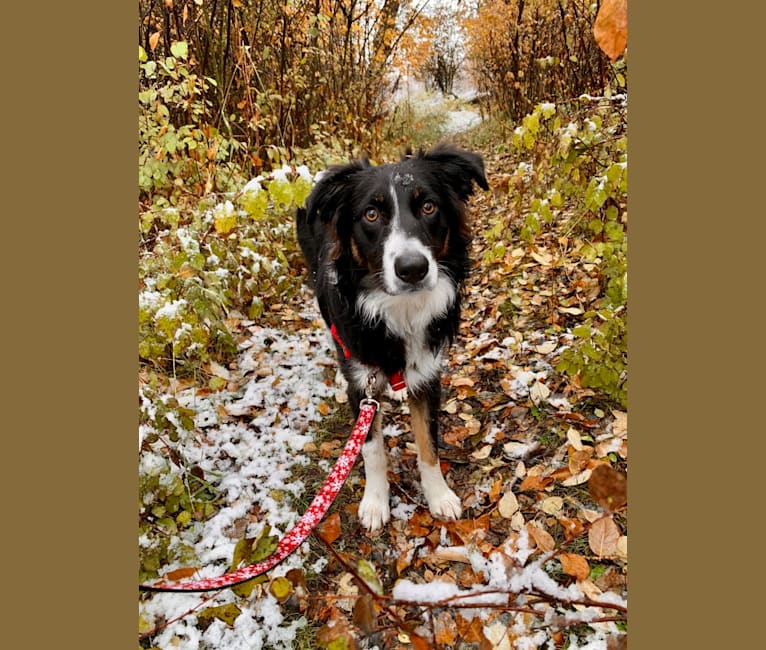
point(372, 380)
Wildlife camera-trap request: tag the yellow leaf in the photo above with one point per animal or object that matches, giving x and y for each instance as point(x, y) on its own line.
point(281, 589)
point(611, 27)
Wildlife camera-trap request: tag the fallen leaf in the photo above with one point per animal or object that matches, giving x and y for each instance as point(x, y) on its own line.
point(542, 538)
point(226, 613)
point(547, 347)
point(445, 629)
point(508, 505)
point(180, 574)
point(622, 548)
point(574, 565)
point(153, 40)
point(573, 436)
point(539, 392)
point(603, 537)
point(609, 488)
point(330, 530)
point(577, 479)
point(572, 528)
point(482, 453)
point(364, 614)
point(281, 589)
point(611, 27)
point(578, 460)
point(552, 505)
point(620, 424)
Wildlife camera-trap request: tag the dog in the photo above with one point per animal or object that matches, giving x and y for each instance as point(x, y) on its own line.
point(387, 253)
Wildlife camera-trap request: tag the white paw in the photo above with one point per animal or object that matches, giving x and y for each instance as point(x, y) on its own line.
point(374, 511)
point(442, 501)
point(445, 506)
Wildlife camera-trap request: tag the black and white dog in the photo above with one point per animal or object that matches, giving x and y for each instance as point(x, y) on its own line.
point(387, 251)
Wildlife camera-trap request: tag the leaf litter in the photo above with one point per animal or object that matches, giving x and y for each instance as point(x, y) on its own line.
point(540, 555)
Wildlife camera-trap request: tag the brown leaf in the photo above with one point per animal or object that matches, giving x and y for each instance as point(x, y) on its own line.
point(329, 531)
point(445, 628)
point(471, 630)
point(609, 488)
point(153, 40)
point(574, 565)
point(180, 574)
point(573, 528)
point(364, 613)
point(578, 460)
point(542, 538)
point(338, 632)
point(611, 27)
point(603, 536)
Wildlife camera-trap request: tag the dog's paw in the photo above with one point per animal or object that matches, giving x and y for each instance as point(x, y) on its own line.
point(445, 505)
point(374, 511)
point(442, 501)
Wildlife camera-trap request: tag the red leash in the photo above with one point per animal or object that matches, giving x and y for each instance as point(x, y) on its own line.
point(295, 537)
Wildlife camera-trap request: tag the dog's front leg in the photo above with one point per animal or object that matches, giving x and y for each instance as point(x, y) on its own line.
point(442, 501)
point(374, 510)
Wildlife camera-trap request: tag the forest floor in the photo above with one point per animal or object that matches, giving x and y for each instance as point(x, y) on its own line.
point(539, 557)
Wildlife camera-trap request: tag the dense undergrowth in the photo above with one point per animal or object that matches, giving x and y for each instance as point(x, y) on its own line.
point(217, 248)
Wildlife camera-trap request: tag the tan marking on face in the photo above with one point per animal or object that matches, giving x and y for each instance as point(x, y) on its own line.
point(356, 254)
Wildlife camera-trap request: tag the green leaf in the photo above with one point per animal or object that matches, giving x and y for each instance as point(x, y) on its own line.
point(142, 56)
point(180, 49)
point(367, 573)
point(227, 613)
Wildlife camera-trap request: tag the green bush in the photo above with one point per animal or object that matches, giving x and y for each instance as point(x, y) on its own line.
point(197, 266)
point(179, 151)
point(572, 177)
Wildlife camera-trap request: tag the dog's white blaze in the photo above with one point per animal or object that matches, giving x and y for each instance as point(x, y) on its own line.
point(399, 242)
point(442, 501)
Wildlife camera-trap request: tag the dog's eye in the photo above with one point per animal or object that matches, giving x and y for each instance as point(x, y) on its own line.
point(371, 214)
point(427, 208)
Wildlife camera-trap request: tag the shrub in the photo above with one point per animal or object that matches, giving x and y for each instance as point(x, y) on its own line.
point(198, 266)
point(572, 176)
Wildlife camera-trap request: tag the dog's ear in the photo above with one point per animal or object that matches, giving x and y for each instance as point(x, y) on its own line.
point(327, 195)
point(461, 167)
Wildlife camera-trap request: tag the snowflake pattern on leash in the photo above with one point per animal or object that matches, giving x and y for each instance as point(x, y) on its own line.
point(302, 529)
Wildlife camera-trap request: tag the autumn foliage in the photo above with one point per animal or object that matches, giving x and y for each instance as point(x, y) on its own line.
point(287, 74)
point(523, 52)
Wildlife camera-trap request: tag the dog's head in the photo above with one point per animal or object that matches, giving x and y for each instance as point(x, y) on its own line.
point(400, 225)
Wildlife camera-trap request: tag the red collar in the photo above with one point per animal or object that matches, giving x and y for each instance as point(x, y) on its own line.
point(396, 379)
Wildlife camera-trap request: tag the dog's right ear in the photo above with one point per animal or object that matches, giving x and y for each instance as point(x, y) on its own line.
point(327, 196)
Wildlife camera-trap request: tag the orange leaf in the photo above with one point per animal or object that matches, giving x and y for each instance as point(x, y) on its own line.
point(603, 536)
point(445, 628)
point(419, 643)
point(573, 528)
point(180, 574)
point(611, 27)
point(542, 538)
point(153, 40)
point(574, 565)
point(329, 531)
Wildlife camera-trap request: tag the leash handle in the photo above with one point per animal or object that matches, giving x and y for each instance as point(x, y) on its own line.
point(368, 407)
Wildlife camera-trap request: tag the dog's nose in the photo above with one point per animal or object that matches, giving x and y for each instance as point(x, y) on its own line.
point(411, 267)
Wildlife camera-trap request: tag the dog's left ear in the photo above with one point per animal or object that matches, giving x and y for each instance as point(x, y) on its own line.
point(461, 167)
